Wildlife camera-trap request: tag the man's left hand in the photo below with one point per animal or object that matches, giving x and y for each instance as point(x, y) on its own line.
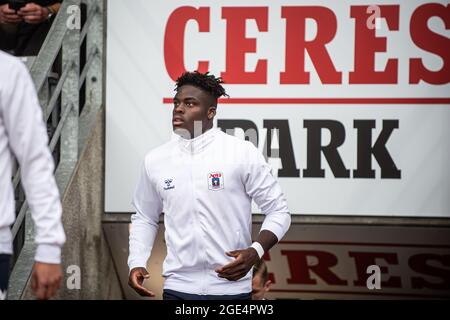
point(244, 261)
point(33, 13)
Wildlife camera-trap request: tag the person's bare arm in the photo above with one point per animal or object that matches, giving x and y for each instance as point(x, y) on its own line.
point(55, 7)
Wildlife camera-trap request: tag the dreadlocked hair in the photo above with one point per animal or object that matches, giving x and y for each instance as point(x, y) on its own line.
point(204, 81)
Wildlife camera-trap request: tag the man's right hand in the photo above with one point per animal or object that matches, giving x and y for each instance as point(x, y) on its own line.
point(8, 16)
point(45, 280)
point(137, 276)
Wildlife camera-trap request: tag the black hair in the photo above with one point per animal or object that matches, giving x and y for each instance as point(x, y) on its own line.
point(204, 81)
point(261, 267)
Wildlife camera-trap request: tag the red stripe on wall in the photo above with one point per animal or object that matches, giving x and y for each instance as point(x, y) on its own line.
point(369, 244)
point(328, 101)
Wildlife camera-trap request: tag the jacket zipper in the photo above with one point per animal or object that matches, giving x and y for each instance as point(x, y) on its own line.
point(202, 248)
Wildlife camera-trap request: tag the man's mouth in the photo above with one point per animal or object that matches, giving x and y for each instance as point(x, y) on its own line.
point(177, 121)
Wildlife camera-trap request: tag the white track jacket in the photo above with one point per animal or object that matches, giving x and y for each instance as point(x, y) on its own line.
point(23, 133)
point(205, 187)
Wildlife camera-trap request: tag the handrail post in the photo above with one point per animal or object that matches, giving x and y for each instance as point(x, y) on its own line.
point(70, 93)
point(70, 98)
point(94, 79)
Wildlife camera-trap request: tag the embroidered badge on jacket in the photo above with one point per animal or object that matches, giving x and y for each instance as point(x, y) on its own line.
point(215, 181)
point(169, 185)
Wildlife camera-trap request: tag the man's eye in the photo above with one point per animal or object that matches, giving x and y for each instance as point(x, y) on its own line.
point(189, 104)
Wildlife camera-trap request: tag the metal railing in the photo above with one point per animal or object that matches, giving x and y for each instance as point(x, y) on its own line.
point(68, 76)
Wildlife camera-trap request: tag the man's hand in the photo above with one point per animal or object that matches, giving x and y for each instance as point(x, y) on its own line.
point(33, 13)
point(137, 276)
point(45, 280)
point(244, 261)
point(8, 16)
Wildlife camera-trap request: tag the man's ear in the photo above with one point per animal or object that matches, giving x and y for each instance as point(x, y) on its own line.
point(267, 285)
point(211, 112)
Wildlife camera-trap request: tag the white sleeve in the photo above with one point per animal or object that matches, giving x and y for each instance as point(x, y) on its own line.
point(264, 189)
point(28, 141)
point(144, 224)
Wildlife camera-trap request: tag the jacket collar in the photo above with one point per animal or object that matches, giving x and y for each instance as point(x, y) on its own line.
point(197, 144)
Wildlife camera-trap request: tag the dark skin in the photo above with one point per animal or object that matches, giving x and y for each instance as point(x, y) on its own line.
point(136, 279)
point(193, 104)
point(190, 105)
point(45, 280)
point(245, 259)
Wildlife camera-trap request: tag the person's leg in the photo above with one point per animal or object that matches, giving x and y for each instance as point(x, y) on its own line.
point(30, 38)
point(242, 296)
point(170, 295)
point(176, 295)
point(8, 37)
point(5, 260)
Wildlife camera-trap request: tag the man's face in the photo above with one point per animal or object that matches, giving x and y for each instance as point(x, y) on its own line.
point(191, 104)
point(259, 288)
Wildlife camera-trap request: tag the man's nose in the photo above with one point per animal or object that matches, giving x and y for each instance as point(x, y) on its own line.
point(179, 108)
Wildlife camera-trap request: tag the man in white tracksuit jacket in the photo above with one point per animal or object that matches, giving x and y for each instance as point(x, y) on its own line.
point(24, 135)
point(204, 181)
